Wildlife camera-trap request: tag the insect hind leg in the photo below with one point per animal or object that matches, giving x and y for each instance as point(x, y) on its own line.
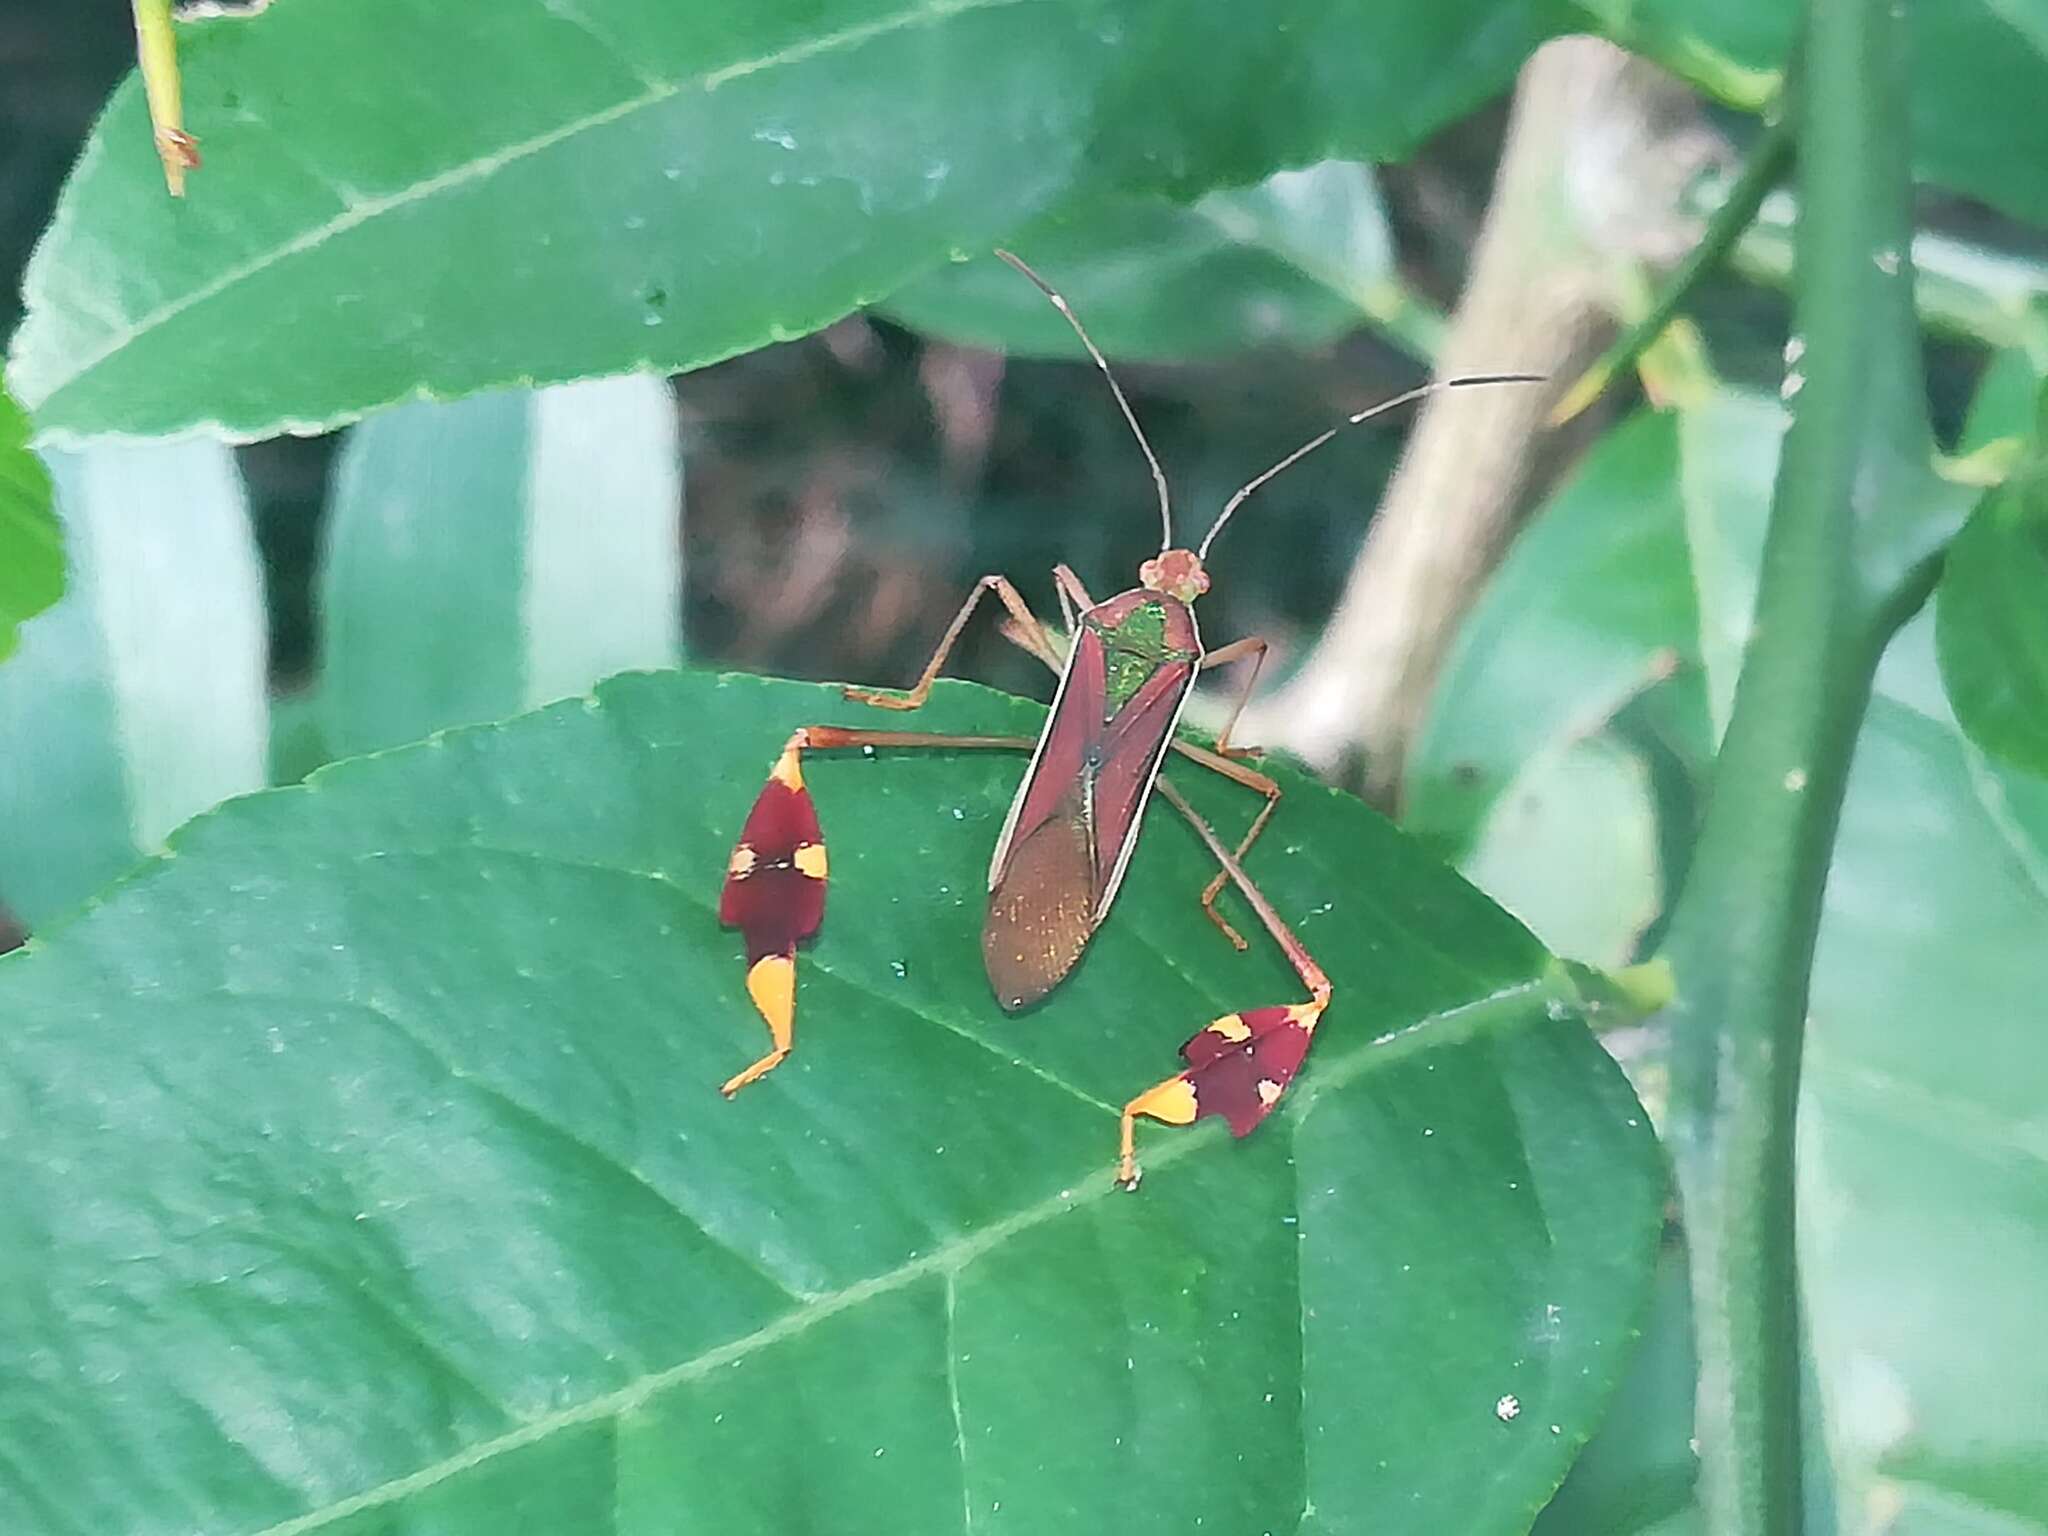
point(1238, 1065)
point(775, 879)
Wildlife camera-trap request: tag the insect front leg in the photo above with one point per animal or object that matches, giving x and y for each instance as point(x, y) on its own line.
point(1074, 598)
point(1238, 1065)
point(1023, 629)
point(774, 889)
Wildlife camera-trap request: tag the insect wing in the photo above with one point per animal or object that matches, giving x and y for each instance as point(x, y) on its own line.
point(1042, 878)
point(1133, 746)
point(1072, 737)
point(1041, 914)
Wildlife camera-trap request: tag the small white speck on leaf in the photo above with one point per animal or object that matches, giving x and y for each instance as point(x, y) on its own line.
point(1795, 381)
point(1795, 780)
point(1508, 1406)
point(1887, 262)
point(1795, 349)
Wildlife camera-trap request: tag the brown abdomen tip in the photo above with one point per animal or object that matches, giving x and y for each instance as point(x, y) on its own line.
point(1041, 913)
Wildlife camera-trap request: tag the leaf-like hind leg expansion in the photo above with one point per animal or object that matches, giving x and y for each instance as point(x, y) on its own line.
point(774, 889)
point(1240, 1064)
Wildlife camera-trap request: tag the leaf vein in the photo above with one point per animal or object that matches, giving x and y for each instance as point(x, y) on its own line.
point(846, 977)
point(589, 1149)
point(953, 1398)
point(482, 167)
point(947, 1259)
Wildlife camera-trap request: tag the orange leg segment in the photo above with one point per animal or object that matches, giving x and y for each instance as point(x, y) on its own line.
point(1225, 759)
point(1023, 629)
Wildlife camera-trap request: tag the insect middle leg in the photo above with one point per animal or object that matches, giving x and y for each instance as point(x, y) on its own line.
point(1225, 759)
point(774, 889)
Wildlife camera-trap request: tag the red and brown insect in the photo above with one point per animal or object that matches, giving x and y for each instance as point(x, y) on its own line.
point(1126, 669)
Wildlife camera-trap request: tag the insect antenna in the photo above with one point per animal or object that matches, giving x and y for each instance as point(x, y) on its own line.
point(1158, 474)
point(1309, 447)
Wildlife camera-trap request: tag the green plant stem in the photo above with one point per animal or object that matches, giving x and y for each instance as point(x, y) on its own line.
point(156, 51)
point(1857, 523)
point(1767, 162)
point(1965, 291)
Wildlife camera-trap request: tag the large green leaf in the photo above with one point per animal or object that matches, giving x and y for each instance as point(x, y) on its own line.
point(1298, 260)
point(445, 197)
point(31, 547)
point(1926, 1244)
point(1636, 1478)
point(138, 700)
point(497, 553)
point(378, 1177)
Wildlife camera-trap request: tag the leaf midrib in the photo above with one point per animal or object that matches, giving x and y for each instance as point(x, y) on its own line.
point(356, 214)
point(948, 1259)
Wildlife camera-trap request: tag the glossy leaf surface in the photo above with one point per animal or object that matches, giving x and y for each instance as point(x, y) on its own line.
point(380, 1180)
point(545, 192)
